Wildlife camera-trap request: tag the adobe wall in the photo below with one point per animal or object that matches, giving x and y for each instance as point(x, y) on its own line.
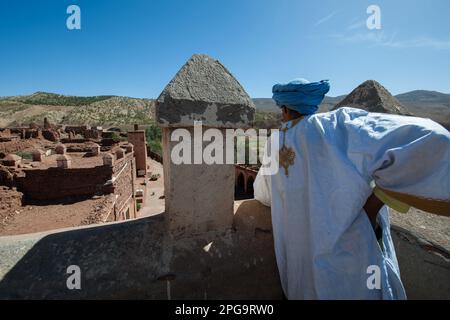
point(75, 129)
point(33, 133)
point(86, 131)
point(123, 187)
point(50, 134)
point(57, 183)
point(92, 134)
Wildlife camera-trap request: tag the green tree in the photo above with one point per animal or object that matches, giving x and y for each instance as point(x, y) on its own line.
point(153, 136)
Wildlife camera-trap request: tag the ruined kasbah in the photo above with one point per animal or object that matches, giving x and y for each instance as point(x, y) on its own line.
point(63, 176)
point(100, 201)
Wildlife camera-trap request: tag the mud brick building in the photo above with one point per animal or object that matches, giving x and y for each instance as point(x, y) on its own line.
point(137, 139)
point(80, 179)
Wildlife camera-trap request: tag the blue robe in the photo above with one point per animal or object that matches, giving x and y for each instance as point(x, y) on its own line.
point(324, 243)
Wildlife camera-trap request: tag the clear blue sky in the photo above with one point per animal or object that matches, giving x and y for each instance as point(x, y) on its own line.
point(135, 47)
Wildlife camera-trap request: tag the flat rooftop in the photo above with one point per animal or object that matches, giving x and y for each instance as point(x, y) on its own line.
point(79, 160)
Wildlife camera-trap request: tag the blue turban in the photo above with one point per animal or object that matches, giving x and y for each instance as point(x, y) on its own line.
point(300, 95)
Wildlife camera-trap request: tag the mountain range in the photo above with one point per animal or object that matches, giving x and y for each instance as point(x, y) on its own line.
point(117, 110)
point(373, 97)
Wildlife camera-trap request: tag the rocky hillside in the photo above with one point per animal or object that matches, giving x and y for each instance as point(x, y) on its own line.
point(96, 110)
point(373, 97)
point(113, 111)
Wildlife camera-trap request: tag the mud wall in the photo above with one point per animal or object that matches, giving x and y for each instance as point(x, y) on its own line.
point(57, 183)
point(123, 188)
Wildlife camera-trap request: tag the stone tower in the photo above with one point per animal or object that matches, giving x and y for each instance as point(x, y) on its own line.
point(137, 139)
point(199, 197)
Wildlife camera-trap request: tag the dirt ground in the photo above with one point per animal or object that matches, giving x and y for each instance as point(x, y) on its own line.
point(427, 225)
point(16, 218)
point(10, 204)
point(39, 217)
point(154, 204)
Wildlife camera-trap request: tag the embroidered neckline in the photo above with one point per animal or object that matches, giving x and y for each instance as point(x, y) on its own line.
point(287, 154)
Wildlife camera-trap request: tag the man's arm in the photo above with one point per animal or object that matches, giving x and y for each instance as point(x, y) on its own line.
point(406, 157)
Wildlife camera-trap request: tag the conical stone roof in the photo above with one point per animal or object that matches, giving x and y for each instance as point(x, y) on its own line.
point(203, 89)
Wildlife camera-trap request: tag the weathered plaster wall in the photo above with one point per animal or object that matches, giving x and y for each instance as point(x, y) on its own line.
point(131, 260)
point(198, 197)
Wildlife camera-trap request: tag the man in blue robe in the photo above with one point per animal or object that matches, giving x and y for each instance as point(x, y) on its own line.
point(337, 171)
